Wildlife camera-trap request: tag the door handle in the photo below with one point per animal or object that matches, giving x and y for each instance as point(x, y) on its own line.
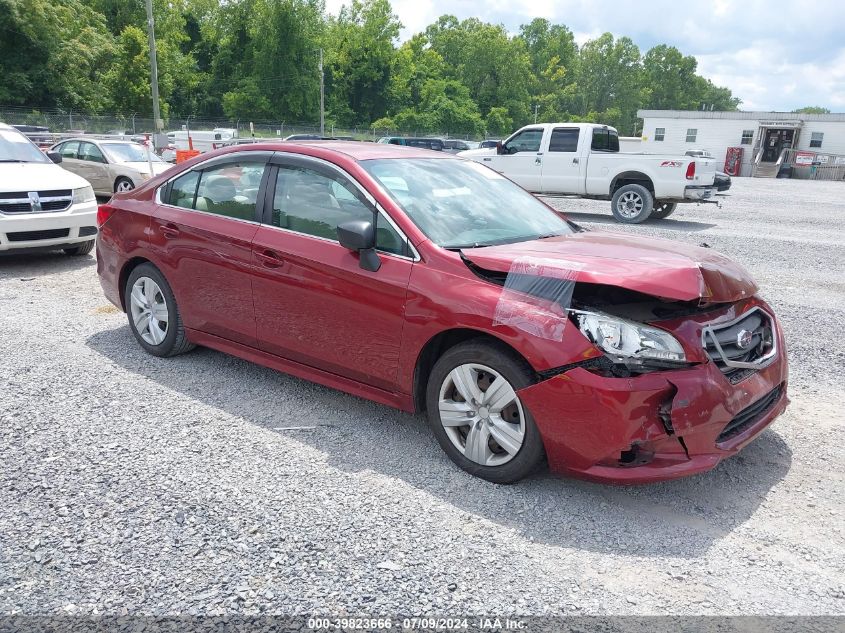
point(169, 231)
point(575, 161)
point(269, 259)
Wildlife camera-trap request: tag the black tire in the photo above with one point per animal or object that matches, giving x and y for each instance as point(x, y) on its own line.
point(77, 250)
point(175, 341)
point(126, 182)
point(663, 210)
point(632, 204)
point(517, 372)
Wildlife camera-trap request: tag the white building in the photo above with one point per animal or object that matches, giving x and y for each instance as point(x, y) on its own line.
point(812, 140)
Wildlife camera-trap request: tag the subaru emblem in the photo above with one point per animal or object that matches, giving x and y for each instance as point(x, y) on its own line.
point(34, 201)
point(744, 338)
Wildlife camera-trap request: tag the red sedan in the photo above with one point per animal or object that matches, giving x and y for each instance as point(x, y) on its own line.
point(431, 283)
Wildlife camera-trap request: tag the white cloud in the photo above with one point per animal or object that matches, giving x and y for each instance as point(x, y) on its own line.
point(772, 55)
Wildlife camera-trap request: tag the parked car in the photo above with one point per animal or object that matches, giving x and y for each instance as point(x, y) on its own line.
point(583, 159)
point(38, 134)
point(455, 145)
point(109, 166)
point(435, 144)
point(393, 274)
point(42, 205)
point(722, 181)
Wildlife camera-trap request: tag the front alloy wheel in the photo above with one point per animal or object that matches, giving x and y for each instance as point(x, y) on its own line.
point(475, 412)
point(482, 415)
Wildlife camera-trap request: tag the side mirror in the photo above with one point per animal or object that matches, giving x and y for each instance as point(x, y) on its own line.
point(360, 236)
point(55, 157)
point(499, 147)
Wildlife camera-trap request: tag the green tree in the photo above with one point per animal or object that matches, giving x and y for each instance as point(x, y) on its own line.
point(670, 78)
point(812, 110)
point(360, 57)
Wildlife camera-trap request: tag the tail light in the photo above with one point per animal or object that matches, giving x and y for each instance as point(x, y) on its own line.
point(691, 170)
point(104, 212)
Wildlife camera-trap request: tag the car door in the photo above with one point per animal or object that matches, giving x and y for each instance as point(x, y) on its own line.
point(562, 166)
point(521, 159)
point(314, 304)
point(202, 232)
point(94, 168)
point(70, 157)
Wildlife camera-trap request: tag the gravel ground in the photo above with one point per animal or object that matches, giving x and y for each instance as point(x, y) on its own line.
point(130, 484)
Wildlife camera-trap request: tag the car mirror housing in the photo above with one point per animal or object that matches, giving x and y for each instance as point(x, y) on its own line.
point(55, 157)
point(500, 148)
point(360, 236)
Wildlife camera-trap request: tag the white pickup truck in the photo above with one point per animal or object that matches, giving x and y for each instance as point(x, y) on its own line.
point(583, 160)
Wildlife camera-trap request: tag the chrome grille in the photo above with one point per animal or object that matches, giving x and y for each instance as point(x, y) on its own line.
point(741, 346)
point(20, 202)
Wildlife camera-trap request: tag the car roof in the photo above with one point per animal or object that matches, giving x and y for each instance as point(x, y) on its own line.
point(355, 150)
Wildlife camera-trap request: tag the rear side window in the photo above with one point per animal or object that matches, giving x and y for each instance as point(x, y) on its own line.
point(605, 140)
point(564, 139)
point(230, 190)
point(69, 149)
point(183, 191)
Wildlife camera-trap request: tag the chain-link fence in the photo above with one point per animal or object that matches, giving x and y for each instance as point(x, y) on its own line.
point(67, 121)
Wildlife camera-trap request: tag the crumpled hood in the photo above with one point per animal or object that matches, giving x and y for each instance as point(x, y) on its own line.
point(662, 268)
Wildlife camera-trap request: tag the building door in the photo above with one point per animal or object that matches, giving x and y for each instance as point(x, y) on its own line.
point(776, 141)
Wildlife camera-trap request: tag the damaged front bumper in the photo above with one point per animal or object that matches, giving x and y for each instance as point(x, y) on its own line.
point(652, 427)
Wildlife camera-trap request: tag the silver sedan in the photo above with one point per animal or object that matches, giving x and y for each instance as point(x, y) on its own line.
point(109, 165)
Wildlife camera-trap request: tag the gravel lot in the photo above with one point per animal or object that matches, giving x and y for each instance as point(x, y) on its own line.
point(130, 484)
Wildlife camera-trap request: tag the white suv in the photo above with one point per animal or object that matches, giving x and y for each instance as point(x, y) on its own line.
point(42, 205)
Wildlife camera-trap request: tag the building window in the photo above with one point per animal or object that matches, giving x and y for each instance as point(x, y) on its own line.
point(747, 137)
point(816, 139)
point(691, 134)
point(659, 133)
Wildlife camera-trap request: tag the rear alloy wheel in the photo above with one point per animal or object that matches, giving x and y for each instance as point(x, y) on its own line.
point(477, 416)
point(663, 210)
point(153, 315)
point(123, 184)
point(632, 204)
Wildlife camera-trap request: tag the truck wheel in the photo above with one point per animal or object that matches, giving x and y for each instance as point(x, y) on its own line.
point(663, 209)
point(632, 204)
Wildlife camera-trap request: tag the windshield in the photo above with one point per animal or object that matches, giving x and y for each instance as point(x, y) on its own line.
point(462, 204)
point(17, 148)
point(128, 153)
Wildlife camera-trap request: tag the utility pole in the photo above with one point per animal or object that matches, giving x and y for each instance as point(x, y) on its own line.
point(322, 97)
point(536, 110)
point(153, 71)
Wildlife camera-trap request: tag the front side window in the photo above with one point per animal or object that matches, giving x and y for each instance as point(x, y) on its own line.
point(692, 133)
point(91, 153)
point(564, 139)
point(525, 141)
point(816, 139)
point(605, 140)
point(659, 133)
point(463, 204)
point(747, 137)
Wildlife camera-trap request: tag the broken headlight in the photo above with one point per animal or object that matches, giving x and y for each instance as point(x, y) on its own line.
point(627, 341)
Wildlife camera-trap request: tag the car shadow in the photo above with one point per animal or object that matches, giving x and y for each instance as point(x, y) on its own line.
point(668, 224)
point(42, 263)
point(681, 518)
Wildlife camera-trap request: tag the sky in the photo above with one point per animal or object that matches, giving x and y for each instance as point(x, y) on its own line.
point(774, 55)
